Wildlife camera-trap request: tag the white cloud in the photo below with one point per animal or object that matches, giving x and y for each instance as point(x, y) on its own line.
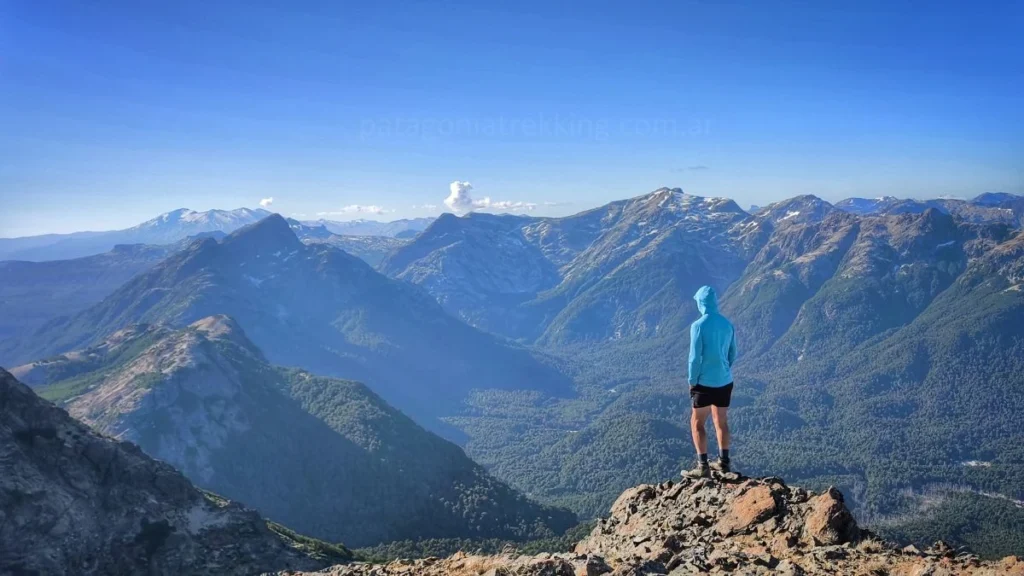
point(427, 207)
point(357, 209)
point(266, 202)
point(511, 206)
point(461, 201)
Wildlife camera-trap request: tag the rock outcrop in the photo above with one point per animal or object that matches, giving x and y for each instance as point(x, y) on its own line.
point(723, 525)
point(75, 502)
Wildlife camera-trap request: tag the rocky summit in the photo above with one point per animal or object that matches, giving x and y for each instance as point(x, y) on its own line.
point(75, 502)
point(726, 524)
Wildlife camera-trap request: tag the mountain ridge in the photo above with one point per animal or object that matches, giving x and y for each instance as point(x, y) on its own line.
point(517, 275)
point(325, 456)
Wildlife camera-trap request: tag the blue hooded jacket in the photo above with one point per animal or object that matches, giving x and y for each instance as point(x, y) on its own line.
point(712, 343)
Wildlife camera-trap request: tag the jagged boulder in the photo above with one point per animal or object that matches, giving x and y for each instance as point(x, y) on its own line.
point(748, 510)
point(829, 521)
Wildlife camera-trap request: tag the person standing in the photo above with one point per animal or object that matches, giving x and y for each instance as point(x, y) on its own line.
point(712, 354)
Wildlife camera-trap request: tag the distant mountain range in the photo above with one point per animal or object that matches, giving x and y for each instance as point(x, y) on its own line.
point(622, 271)
point(178, 225)
point(625, 270)
point(164, 229)
point(324, 456)
point(989, 207)
point(406, 228)
point(312, 306)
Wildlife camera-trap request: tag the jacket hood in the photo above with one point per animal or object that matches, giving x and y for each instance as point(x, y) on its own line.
point(707, 300)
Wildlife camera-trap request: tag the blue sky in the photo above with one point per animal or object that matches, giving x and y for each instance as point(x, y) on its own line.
point(115, 111)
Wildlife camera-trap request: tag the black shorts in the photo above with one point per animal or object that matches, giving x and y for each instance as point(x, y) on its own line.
point(711, 396)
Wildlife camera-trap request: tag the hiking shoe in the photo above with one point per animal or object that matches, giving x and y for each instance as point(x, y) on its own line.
point(699, 471)
point(722, 466)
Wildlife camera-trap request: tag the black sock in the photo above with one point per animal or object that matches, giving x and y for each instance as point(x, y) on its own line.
point(725, 455)
point(702, 459)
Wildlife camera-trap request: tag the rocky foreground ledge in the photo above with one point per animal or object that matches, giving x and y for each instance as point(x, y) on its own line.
point(726, 524)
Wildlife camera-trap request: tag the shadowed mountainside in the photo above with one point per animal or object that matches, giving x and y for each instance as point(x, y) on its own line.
point(77, 503)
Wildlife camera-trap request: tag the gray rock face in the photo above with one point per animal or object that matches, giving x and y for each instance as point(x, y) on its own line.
point(75, 502)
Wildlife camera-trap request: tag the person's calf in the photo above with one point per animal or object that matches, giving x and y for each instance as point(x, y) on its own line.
point(700, 436)
point(721, 418)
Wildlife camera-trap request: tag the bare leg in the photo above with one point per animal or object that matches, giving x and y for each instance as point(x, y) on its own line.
point(721, 418)
point(700, 436)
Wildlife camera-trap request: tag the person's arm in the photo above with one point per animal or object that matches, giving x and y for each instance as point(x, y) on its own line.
point(732, 349)
point(696, 354)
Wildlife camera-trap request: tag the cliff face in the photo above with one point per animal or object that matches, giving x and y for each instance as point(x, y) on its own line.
point(727, 524)
point(75, 502)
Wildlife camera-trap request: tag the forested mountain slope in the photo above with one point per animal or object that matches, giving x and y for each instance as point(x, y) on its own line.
point(327, 457)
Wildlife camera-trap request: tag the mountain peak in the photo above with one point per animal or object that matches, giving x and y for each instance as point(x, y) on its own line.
point(216, 326)
point(212, 219)
point(675, 200)
point(803, 209)
point(223, 327)
point(272, 232)
point(167, 218)
point(996, 198)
